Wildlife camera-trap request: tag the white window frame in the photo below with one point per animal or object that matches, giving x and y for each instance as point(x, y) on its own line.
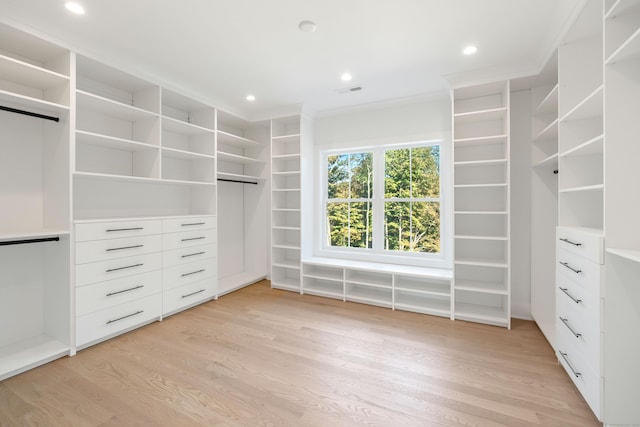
point(378, 253)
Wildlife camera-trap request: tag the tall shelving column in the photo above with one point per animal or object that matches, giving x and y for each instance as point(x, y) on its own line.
point(544, 197)
point(285, 204)
point(243, 200)
point(35, 300)
point(622, 210)
point(481, 188)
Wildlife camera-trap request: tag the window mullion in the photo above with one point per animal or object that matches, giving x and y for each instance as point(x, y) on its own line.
point(378, 200)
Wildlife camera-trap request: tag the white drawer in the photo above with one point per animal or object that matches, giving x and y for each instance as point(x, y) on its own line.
point(116, 229)
point(188, 238)
point(102, 295)
point(581, 242)
point(113, 320)
point(101, 250)
point(582, 334)
point(188, 223)
point(582, 306)
point(587, 380)
point(187, 255)
point(587, 274)
point(179, 275)
point(187, 295)
point(95, 272)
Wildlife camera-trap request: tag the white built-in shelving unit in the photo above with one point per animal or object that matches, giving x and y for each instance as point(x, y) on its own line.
point(35, 218)
point(243, 194)
point(544, 197)
point(286, 224)
point(482, 289)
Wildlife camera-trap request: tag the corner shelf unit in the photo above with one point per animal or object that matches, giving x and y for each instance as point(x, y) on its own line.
point(286, 204)
point(482, 290)
point(35, 219)
point(416, 289)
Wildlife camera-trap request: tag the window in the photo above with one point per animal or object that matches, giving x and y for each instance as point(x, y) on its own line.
point(383, 200)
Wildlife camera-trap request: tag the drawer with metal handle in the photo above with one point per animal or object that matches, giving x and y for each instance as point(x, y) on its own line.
point(99, 296)
point(579, 327)
point(188, 223)
point(188, 238)
point(583, 376)
point(85, 231)
point(189, 254)
point(584, 242)
point(184, 296)
point(100, 250)
point(587, 274)
point(114, 320)
point(95, 272)
point(182, 274)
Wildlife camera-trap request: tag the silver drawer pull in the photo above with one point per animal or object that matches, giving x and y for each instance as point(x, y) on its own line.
point(125, 290)
point(192, 224)
point(566, 291)
point(125, 247)
point(566, 264)
point(125, 317)
point(193, 238)
point(124, 268)
point(193, 272)
point(193, 254)
point(570, 242)
point(193, 293)
point(564, 356)
point(566, 323)
point(125, 229)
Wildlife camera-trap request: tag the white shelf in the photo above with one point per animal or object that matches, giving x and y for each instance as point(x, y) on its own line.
point(280, 227)
point(370, 295)
point(91, 102)
point(185, 155)
point(591, 106)
point(30, 75)
point(583, 189)
point(632, 255)
point(178, 126)
point(290, 173)
point(469, 237)
point(481, 312)
point(481, 115)
point(481, 213)
point(323, 277)
point(236, 158)
point(622, 7)
point(551, 160)
point(291, 264)
point(286, 156)
point(482, 140)
point(424, 288)
point(549, 105)
point(112, 142)
point(285, 210)
point(287, 138)
point(550, 132)
point(630, 49)
point(590, 147)
point(481, 262)
point(30, 102)
point(112, 177)
point(285, 246)
point(504, 184)
point(481, 287)
point(238, 141)
point(285, 190)
point(287, 285)
point(494, 162)
point(422, 304)
point(30, 353)
point(187, 182)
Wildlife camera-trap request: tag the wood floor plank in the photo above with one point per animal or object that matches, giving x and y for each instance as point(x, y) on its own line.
point(263, 357)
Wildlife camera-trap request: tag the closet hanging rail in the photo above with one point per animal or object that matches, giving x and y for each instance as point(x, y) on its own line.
point(22, 242)
point(238, 181)
point(29, 113)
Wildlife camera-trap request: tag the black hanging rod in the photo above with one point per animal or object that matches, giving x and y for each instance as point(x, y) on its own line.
point(29, 113)
point(21, 242)
point(238, 181)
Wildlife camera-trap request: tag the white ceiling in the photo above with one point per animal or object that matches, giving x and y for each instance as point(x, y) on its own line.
point(221, 50)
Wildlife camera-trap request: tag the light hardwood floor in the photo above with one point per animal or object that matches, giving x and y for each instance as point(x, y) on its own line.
point(262, 357)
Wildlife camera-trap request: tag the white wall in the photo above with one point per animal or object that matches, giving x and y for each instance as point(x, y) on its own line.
point(521, 204)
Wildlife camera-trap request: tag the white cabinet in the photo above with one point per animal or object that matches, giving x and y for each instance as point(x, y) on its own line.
point(286, 203)
point(482, 289)
point(35, 197)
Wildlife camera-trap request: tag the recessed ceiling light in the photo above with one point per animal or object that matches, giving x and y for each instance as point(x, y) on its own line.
point(250, 98)
point(470, 50)
point(345, 77)
point(307, 26)
point(74, 7)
